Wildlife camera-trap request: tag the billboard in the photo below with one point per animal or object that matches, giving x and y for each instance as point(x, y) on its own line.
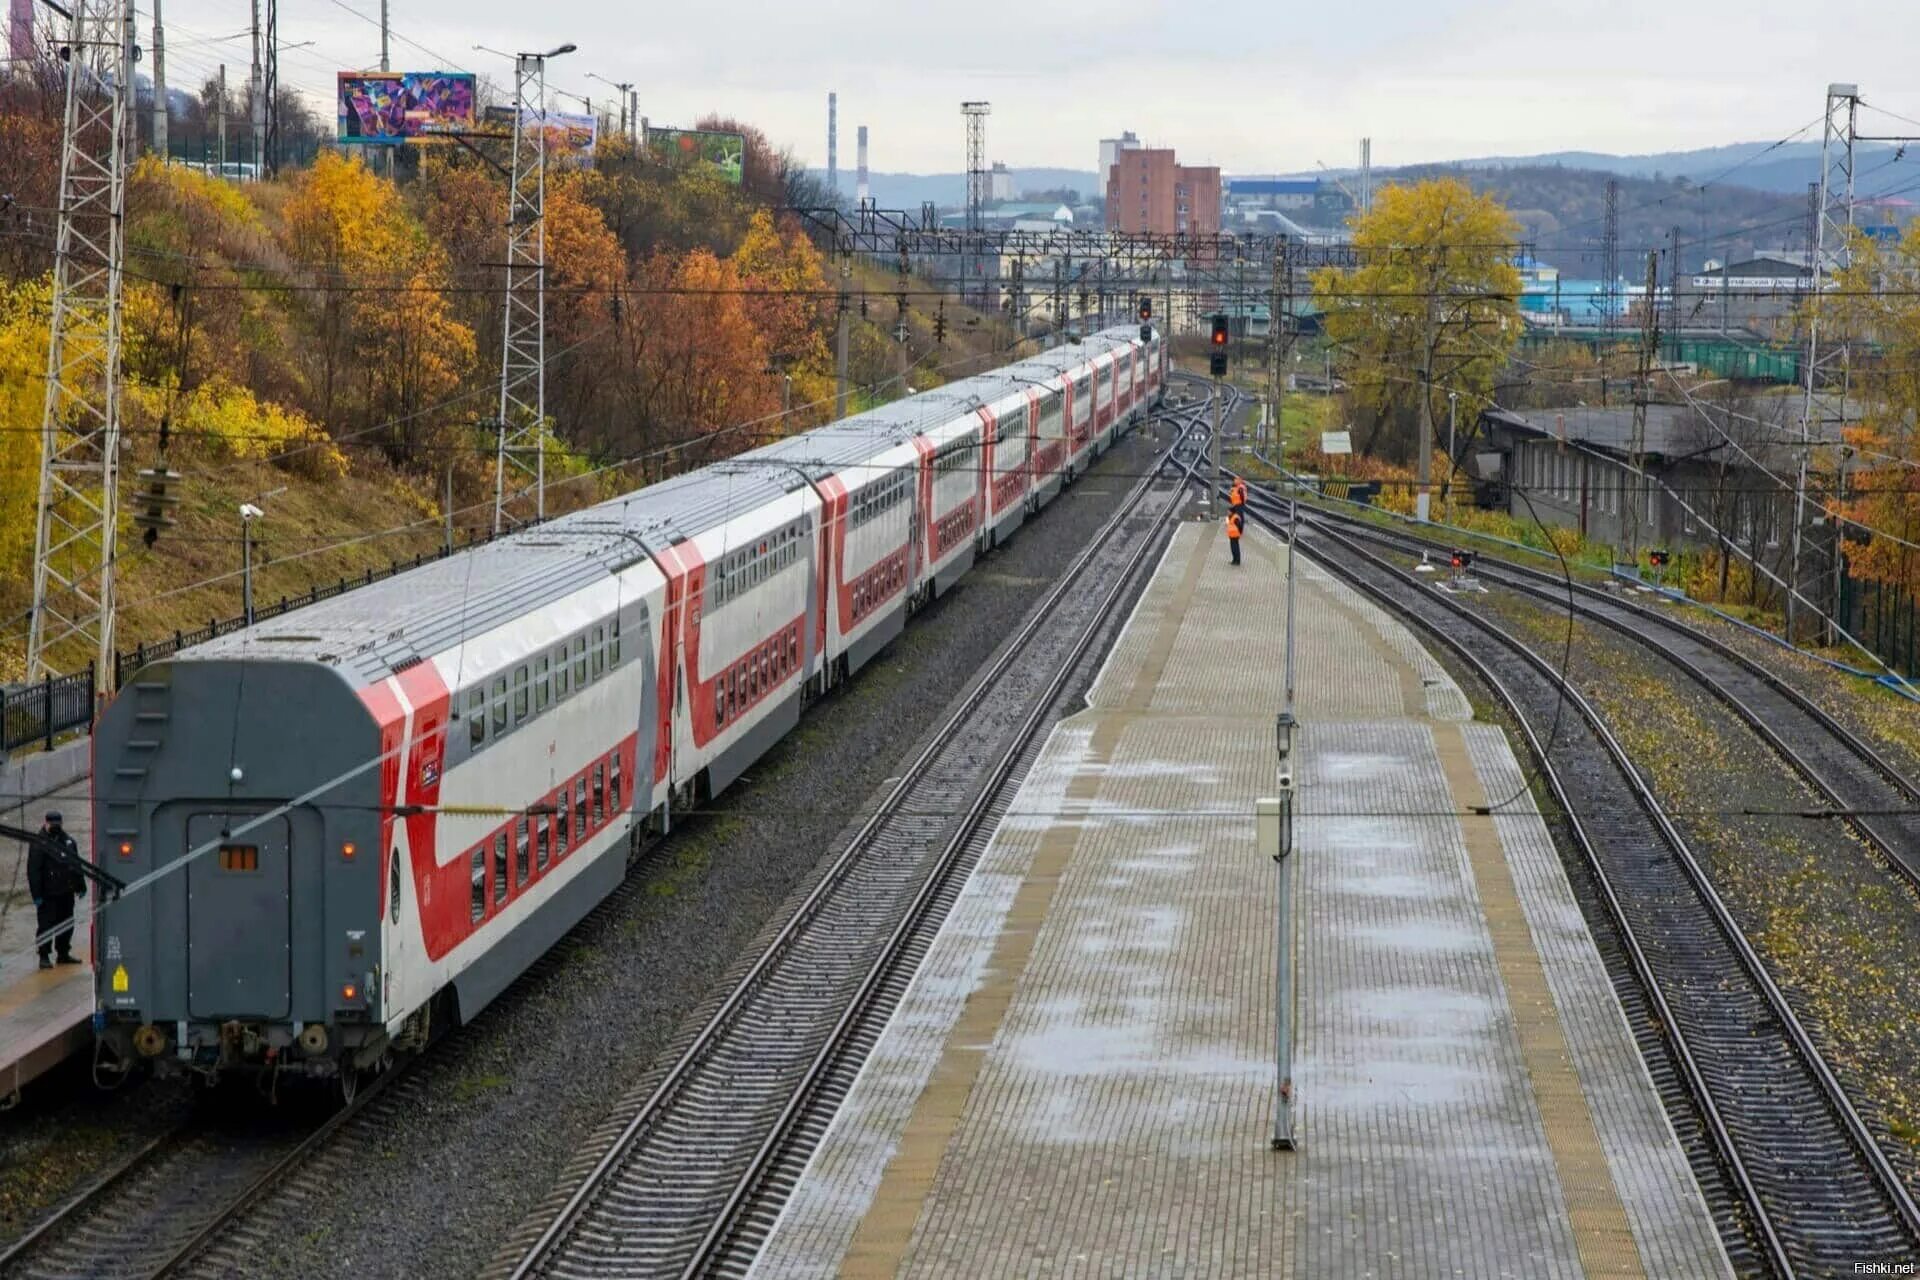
point(571, 137)
point(724, 151)
point(390, 107)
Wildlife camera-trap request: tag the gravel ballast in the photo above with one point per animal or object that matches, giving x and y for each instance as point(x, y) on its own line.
point(1823, 911)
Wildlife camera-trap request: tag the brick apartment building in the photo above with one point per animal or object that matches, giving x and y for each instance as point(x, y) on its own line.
point(1148, 190)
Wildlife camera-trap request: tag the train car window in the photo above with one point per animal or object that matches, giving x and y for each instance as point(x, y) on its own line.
point(542, 683)
point(599, 792)
point(793, 651)
point(560, 673)
point(613, 783)
point(499, 868)
point(519, 693)
point(543, 840)
point(580, 662)
point(599, 652)
point(520, 858)
point(561, 824)
point(479, 860)
point(613, 644)
point(500, 705)
point(580, 807)
point(476, 717)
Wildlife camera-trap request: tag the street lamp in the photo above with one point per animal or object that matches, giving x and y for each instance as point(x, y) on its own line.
point(248, 514)
point(1453, 467)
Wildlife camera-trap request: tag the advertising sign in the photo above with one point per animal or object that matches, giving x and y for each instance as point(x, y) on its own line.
point(726, 152)
point(390, 107)
point(571, 137)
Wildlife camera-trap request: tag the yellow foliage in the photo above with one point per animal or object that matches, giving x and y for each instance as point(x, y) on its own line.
point(23, 374)
point(1434, 301)
point(234, 421)
point(183, 188)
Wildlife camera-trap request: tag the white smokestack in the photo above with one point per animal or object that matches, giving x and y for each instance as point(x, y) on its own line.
point(860, 189)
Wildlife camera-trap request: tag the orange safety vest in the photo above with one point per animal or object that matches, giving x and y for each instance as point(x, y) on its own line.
point(1233, 527)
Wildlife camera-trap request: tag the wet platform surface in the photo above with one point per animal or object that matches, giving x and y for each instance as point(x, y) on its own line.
point(1081, 1081)
point(45, 1015)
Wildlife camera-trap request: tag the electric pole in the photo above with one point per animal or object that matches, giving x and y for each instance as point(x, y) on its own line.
point(159, 86)
point(1638, 491)
point(223, 120)
point(79, 489)
point(256, 103)
point(840, 339)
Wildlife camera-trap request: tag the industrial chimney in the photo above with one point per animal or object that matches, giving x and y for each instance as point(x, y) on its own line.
point(861, 195)
point(833, 143)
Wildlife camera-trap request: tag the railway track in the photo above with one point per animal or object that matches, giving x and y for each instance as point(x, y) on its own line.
point(161, 1204)
point(688, 1178)
point(1858, 783)
point(1813, 1193)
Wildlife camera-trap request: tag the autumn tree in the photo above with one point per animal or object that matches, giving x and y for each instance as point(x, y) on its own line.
point(1876, 297)
point(785, 281)
point(699, 364)
point(382, 282)
point(1431, 307)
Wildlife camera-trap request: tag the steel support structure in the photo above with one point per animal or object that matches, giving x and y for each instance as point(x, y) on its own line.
point(520, 458)
point(78, 503)
point(979, 188)
point(1829, 364)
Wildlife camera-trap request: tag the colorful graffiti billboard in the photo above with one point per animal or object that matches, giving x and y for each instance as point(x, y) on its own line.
point(391, 107)
point(571, 137)
point(726, 152)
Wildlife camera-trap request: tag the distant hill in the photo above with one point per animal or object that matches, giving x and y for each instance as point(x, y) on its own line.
point(1784, 169)
point(949, 190)
point(1562, 211)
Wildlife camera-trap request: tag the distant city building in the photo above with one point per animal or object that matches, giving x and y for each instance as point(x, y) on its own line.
point(1000, 183)
point(1149, 190)
point(1761, 295)
point(1110, 149)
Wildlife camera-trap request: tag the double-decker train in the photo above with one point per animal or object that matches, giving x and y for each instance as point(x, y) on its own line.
point(370, 815)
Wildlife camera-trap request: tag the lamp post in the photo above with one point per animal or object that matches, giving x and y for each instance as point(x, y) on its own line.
point(1453, 467)
point(248, 514)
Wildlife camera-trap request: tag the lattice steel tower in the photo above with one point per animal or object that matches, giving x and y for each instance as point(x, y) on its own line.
point(1832, 234)
point(73, 552)
point(978, 187)
point(520, 466)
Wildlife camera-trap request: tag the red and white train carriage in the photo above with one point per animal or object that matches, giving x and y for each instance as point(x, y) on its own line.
point(383, 807)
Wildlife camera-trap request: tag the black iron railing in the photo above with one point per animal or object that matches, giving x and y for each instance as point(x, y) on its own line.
point(41, 711)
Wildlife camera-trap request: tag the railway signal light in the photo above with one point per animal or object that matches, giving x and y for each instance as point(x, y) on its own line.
point(1657, 557)
point(1146, 307)
point(1461, 559)
point(156, 501)
point(1218, 363)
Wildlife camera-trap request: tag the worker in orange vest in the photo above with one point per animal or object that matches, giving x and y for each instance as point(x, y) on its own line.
point(1237, 496)
point(1235, 522)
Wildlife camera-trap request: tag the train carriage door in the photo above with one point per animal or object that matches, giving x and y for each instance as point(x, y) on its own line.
point(239, 918)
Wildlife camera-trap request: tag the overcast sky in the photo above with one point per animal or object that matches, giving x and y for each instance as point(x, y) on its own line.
point(1249, 86)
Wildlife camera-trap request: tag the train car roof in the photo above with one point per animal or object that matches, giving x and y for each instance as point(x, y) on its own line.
point(451, 600)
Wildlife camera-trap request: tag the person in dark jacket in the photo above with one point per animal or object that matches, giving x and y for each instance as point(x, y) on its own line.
point(54, 885)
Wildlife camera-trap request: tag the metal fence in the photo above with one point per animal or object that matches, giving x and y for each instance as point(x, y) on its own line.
point(127, 662)
point(40, 712)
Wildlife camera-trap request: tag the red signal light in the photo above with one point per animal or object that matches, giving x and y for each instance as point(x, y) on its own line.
point(349, 992)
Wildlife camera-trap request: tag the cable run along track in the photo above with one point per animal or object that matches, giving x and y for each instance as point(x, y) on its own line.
point(687, 1179)
point(1816, 1193)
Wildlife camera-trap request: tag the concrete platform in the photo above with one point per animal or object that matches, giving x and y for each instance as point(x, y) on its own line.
point(44, 1015)
point(1081, 1080)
